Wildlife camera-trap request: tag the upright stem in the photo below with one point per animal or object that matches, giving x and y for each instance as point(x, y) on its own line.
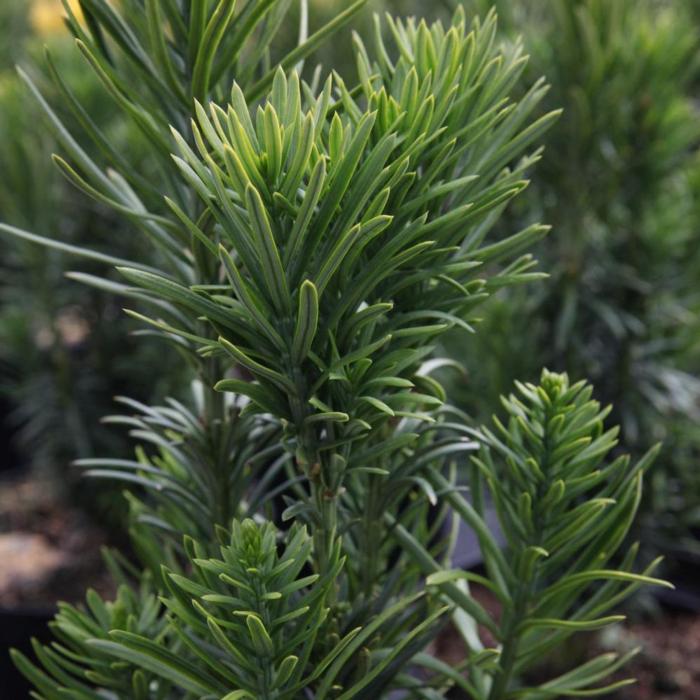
point(509, 652)
point(317, 467)
point(324, 535)
point(523, 591)
point(372, 526)
point(214, 419)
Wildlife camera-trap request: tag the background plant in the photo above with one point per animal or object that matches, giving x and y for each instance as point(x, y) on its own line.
point(617, 183)
point(59, 365)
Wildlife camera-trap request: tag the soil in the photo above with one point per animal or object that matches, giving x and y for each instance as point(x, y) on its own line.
point(667, 668)
point(49, 550)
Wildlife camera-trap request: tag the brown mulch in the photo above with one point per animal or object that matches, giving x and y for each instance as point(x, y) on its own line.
point(667, 668)
point(49, 550)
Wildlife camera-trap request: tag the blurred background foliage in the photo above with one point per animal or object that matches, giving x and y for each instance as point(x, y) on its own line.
point(619, 181)
point(63, 356)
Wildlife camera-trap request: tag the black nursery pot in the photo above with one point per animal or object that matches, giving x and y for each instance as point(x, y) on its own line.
point(17, 628)
point(685, 597)
point(10, 458)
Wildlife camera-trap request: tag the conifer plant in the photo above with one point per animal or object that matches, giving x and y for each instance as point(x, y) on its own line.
point(618, 184)
point(312, 238)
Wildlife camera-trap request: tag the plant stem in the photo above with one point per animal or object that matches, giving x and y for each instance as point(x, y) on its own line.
point(214, 419)
point(324, 536)
point(372, 526)
point(523, 589)
point(317, 467)
point(509, 651)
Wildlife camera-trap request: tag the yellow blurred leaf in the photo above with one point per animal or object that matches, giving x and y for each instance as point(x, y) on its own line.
point(46, 16)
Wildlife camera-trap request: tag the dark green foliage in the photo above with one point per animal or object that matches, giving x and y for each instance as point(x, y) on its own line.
point(310, 241)
point(75, 660)
point(564, 510)
point(385, 267)
point(196, 475)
